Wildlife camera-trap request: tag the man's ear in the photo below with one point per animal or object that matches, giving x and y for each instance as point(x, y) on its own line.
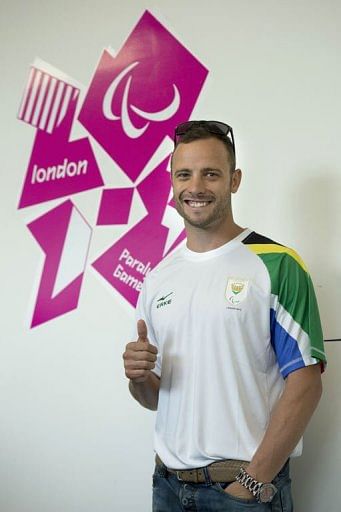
point(236, 178)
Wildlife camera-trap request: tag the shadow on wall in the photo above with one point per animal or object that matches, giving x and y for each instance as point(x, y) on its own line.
point(315, 208)
point(315, 212)
point(315, 475)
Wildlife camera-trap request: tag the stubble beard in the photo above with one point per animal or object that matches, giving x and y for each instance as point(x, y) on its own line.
point(221, 210)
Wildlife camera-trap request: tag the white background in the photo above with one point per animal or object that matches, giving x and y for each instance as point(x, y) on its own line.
point(72, 439)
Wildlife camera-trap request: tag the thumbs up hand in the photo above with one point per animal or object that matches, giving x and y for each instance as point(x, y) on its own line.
point(142, 330)
point(139, 356)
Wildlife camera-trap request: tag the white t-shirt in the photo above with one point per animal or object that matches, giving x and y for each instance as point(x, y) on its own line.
point(227, 334)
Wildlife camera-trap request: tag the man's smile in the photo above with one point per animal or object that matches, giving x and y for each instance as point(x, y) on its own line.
point(196, 204)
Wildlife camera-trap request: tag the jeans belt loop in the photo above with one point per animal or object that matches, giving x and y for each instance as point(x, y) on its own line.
point(208, 480)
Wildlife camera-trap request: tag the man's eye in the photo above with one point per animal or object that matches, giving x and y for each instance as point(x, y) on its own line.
point(211, 174)
point(182, 175)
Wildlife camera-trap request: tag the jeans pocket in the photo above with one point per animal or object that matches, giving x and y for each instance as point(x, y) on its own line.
point(155, 480)
point(160, 472)
point(244, 501)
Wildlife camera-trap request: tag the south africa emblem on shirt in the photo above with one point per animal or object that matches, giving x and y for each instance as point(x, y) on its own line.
point(236, 290)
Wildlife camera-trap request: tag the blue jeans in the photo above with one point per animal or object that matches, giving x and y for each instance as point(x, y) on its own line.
point(172, 495)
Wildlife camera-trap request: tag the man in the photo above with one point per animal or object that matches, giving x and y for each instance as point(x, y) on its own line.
point(229, 349)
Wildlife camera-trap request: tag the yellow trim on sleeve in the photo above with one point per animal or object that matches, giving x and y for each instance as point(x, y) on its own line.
point(268, 248)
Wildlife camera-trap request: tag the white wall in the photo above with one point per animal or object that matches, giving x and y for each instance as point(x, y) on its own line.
point(72, 438)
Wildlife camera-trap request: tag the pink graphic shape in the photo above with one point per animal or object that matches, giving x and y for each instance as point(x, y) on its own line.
point(59, 167)
point(115, 206)
point(154, 191)
point(177, 241)
point(126, 263)
point(51, 232)
point(119, 265)
point(46, 100)
point(138, 97)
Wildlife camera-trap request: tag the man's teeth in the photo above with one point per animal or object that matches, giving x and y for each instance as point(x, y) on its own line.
point(198, 204)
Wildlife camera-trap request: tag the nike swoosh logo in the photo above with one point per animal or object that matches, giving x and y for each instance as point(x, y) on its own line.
point(165, 297)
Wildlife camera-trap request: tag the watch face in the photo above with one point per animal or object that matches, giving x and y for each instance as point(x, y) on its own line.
point(266, 493)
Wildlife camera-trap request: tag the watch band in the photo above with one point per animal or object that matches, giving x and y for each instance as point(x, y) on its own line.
point(249, 483)
point(263, 492)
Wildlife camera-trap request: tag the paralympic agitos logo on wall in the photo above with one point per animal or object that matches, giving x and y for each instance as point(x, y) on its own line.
point(134, 101)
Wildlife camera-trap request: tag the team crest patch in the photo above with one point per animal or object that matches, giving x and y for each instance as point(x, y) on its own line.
point(236, 290)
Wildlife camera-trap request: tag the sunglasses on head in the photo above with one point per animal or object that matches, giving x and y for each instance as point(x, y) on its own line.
point(216, 127)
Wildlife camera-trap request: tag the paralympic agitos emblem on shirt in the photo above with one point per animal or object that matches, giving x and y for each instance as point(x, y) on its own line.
point(236, 290)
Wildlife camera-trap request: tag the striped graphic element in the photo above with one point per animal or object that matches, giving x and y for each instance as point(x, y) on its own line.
point(296, 333)
point(45, 100)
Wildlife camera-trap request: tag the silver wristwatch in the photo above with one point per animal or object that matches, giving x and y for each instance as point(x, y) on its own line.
point(263, 492)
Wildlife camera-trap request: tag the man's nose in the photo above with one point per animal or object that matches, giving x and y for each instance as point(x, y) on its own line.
point(196, 184)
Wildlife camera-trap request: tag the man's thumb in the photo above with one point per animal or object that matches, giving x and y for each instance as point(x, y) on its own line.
point(142, 330)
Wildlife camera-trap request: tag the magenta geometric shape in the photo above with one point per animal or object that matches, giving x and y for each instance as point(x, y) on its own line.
point(155, 189)
point(172, 203)
point(50, 231)
point(57, 169)
point(136, 98)
point(115, 206)
point(46, 100)
point(58, 166)
point(176, 242)
point(126, 263)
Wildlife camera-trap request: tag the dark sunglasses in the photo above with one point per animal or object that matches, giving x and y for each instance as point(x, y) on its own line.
point(211, 126)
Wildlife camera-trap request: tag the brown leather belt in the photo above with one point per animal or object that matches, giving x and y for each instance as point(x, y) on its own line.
point(222, 471)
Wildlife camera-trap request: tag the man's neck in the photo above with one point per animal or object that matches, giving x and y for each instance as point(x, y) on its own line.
point(203, 240)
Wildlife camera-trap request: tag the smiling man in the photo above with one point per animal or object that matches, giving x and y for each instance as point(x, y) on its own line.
point(232, 360)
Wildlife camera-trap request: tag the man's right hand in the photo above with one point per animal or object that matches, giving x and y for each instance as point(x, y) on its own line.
point(139, 356)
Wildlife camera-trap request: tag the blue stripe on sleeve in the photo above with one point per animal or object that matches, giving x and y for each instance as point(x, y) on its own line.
point(285, 346)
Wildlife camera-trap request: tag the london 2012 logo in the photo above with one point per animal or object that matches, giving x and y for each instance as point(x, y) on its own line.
point(127, 113)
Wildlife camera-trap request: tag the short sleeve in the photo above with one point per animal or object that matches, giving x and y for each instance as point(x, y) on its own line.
point(142, 312)
point(296, 333)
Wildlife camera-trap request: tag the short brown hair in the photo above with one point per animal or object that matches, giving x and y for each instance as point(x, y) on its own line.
point(202, 131)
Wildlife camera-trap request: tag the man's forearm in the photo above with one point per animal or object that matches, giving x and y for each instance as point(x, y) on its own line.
point(146, 393)
point(288, 422)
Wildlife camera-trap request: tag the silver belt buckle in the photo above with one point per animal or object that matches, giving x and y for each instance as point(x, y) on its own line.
point(178, 477)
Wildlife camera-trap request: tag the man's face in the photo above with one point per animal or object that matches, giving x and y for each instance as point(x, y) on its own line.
point(202, 182)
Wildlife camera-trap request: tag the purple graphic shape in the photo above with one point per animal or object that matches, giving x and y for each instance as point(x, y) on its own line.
point(128, 261)
point(154, 191)
point(178, 240)
point(57, 167)
point(115, 206)
point(50, 231)
point(45, 101)
point(137, 98)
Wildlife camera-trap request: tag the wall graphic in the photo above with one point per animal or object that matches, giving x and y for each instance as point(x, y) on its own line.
point(134, 101)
